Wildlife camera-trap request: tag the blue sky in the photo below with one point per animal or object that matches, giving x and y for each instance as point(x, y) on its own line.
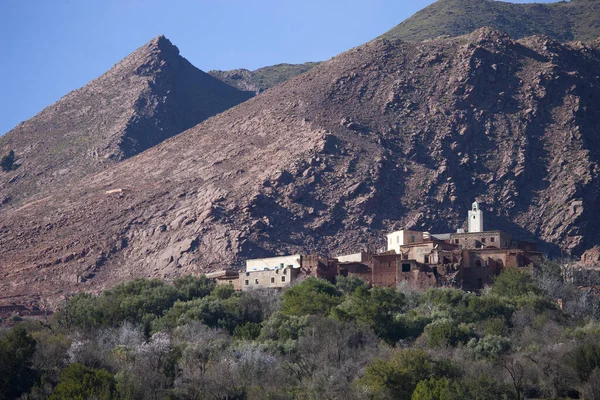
point(51, 47)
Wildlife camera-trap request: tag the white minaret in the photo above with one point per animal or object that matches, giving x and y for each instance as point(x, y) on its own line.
point(475, 219)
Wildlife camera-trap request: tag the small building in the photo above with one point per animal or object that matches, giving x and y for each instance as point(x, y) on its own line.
point(269, 278)
point(226, 277)
point(280, 262)
point(396, 240)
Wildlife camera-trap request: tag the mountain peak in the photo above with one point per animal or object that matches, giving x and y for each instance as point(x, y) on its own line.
point(161, 43)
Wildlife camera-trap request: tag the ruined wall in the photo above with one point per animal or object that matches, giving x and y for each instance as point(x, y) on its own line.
point(384, 269)
point(359, 270)
point(319, 267)
point(230, 280)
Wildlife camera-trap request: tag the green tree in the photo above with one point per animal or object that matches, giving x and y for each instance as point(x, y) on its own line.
point(513, 282)
point(437, 389)
point(398, 376)
point(8, 162)
point(310, 297)
point(446, 332)
point(17, 375)
point(376, 307)
point(78, 382)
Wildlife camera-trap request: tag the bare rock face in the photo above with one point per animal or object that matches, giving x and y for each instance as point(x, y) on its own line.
point(387, 135)
point(149, 96)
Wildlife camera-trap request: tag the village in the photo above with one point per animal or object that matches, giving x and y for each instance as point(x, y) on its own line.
point(412, 259)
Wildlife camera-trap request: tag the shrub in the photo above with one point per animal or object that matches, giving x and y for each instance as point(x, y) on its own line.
point(16, 359)
point(446, 332)
point(437, 389)
point(78, 382)
point(399, 376)
point(513, 282)
point(8, 162)
point(312, 296)
point(490, 346)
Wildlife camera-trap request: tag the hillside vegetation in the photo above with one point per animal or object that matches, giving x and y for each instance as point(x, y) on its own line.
point(264, 78)
point(146, 339)
point(563, 21)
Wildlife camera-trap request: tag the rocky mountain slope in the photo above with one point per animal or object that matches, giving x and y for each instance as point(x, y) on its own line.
point(390, 134)
point(149, 96)
point(261, 79)
point(563, 21)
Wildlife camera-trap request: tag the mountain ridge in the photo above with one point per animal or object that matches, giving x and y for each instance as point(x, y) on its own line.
point(563, 21)
point(150, 95)
point(389, 134)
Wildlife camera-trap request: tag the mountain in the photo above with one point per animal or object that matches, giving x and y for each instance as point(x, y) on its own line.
point(389, 134)
point(262, 79)
point(563, 21)
point(149, 96)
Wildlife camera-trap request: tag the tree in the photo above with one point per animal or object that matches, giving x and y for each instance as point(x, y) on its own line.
point(78, 382)
point(513, 282)
point(16, 359)
point(398, 377)
point(376, 307)
point(8, 162)
point(437, 389)
point(312, 296)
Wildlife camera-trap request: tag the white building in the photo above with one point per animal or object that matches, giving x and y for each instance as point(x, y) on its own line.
point(475, 219)
point(262, 264)
point(356, 257)
point(403, 237)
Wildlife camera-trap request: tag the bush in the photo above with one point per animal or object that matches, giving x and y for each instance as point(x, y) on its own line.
point(446, 332)
point(513, 282)
point(490, 346)
point(437, 389)
point(398, 377)
point(16, 359)
point(377, 308)
point(78, 382)
point(310, 297)
point(8, 162)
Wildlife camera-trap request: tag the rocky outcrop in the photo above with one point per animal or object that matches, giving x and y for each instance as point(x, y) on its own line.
point(149, 96)
point(387, 135)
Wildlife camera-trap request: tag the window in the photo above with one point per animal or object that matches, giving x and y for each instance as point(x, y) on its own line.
point(246, 282)
point(426, 259)
point(482, 240)
point(283, 279)
point(473, 217)
point(256, 281)
point(456, 241)
point(412, 238)
point(405, 267)
point(272, 279)
point(492, 239)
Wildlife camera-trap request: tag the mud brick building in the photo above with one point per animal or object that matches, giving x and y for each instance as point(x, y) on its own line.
point(467, 260)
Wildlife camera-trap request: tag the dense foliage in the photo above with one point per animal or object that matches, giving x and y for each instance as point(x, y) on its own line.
point(7, 163)
point(148, 339)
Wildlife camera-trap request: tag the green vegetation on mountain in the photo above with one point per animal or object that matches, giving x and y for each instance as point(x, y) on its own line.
point(264, 78)
point(563, 21)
